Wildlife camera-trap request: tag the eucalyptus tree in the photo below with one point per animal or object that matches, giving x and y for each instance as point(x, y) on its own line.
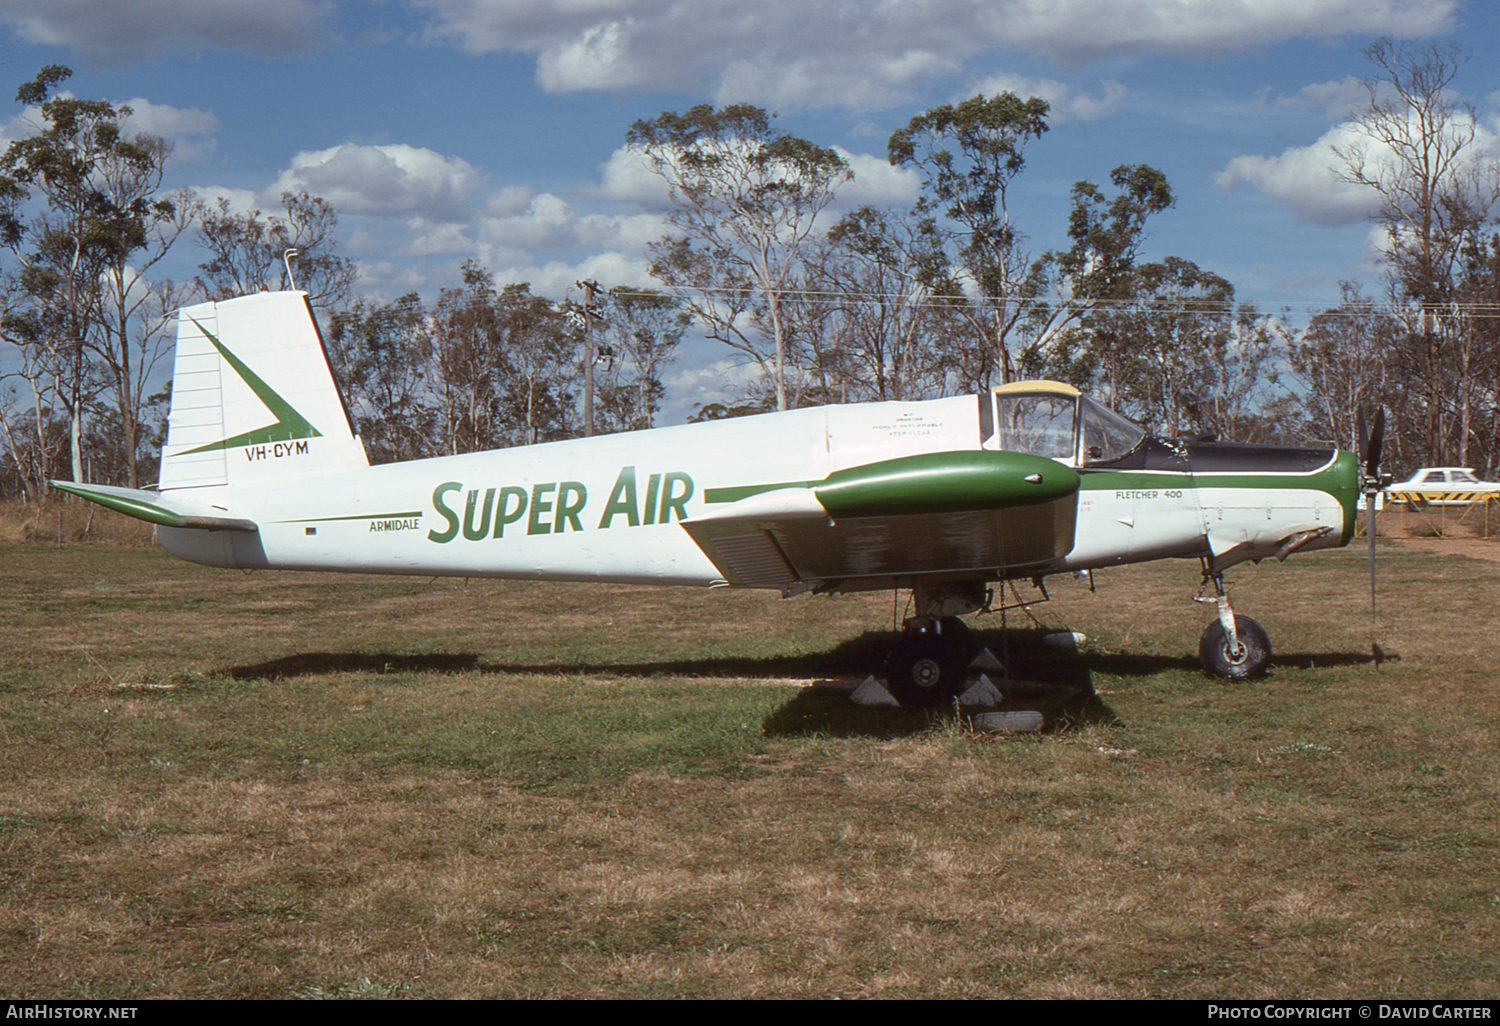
point(25, 401)
point(970, 154)
point(251, 252)
point(135, 313)
point(384, 356)
point(889, 279)
point(641, 329)
point(1480, 298)
point(467, 357)
point(96, 189)
point(541, 370)
point(1417, 148)
point(1339, 365)
point(1180, 356)
point(744, 198)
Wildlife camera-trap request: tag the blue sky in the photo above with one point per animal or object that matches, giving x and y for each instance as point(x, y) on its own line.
point(444, 130)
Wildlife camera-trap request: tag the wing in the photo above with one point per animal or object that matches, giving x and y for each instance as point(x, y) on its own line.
point(950, 513)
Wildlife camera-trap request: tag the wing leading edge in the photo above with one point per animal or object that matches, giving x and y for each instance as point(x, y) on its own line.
point(947, 513)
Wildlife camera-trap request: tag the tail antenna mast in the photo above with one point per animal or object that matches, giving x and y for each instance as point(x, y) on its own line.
point(286, 258)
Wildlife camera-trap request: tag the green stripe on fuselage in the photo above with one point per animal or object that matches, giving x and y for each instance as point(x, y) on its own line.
point(404, 515)
point(737, 492)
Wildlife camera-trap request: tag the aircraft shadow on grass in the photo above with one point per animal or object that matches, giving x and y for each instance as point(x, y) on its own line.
point(856, 658)
point(1058, 683)
point(1051, 681)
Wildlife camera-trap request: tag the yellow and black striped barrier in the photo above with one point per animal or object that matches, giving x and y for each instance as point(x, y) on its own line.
point(1420, 498)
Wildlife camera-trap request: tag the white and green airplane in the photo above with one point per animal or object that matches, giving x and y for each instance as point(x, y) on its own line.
point(262, 469)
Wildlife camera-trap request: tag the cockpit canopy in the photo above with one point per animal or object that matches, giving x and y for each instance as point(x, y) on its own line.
point(1048, 418)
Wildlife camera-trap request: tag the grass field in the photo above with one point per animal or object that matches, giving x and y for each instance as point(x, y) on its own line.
point(288, 785)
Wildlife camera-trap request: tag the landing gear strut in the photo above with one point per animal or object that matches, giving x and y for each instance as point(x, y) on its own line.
point(1233, 647)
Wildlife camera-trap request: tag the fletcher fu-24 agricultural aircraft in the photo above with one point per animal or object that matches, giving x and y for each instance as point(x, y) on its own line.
point(263, 469)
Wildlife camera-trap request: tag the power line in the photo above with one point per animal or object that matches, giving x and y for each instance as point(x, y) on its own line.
point(1185, 304)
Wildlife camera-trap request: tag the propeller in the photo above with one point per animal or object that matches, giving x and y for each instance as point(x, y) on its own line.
point(1371, 480)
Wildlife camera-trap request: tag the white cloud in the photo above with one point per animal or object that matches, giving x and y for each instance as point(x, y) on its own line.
point(1336, 99)
point(167, 121)
point(702, 374)
point(508, 200)
point(628, 178)
point(115, 31)
point(385, 180)
point(866, 56)
point(240, 201)
point(876, 183)
point(549, 224)
point(1065, 105)
point(189, 130)
point(422, 237)
point(1303, 179)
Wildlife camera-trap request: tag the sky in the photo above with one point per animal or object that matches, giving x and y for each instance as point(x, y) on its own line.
point(493, 130)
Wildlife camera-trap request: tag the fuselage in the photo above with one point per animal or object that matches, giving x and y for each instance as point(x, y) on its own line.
point(611, 508)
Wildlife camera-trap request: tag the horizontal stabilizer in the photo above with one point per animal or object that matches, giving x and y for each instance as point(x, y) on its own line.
point(154, 507)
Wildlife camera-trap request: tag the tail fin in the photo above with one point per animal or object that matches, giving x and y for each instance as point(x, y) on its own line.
point(254, 399)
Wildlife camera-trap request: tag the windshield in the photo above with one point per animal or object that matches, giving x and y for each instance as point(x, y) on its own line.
point(1106, 434)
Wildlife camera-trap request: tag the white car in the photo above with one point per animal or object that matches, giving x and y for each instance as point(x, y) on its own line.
point(1443, 486)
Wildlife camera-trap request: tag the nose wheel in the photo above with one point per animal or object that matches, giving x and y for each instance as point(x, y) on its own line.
point(1233, 647)
point(1241, 659)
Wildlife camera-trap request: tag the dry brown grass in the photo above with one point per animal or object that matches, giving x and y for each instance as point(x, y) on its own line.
point(66, 520)
point(225, 785)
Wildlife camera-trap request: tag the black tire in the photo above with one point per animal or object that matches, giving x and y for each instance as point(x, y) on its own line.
point(926, 668)
point(957, 632)
point(1255, 650)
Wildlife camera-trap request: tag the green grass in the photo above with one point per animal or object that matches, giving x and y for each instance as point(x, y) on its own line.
point(299, 786)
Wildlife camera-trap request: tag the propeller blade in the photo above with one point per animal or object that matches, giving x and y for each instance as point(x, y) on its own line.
point(1371, 442)
point(1361, 436)
point(1377, 437)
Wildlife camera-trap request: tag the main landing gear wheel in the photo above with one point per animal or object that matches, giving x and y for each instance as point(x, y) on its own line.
point(1251, 659)
point(926, 667)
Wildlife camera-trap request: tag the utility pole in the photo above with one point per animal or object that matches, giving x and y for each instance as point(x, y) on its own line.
point(589, 288)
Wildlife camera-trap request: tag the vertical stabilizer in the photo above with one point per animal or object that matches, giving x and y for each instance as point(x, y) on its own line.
point(253, 397)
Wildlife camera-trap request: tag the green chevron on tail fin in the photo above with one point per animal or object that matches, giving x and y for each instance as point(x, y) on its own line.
point(289, 423)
